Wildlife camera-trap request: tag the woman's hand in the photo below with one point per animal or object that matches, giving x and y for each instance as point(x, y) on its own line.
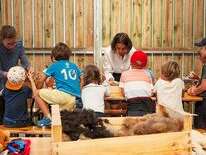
point(191, 91)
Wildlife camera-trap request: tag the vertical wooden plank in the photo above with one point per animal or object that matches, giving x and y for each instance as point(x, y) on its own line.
point(18, 18)
point(59, 27)
point(48, 28)
point(115, 17)
point(157, 65)
point(188, 63)
point(137, 24)
point(188, 12)
point(167, 23)
point(28, 23)
point(38, 19)
point(198, 20)
point(79, 23)
point(89, 24)
point(178, 59)
point(127, 17)
point(157, 23)
point(106, 20)
point(6, 12)
point(147, 25)
point(69, 23)
point(178, 25)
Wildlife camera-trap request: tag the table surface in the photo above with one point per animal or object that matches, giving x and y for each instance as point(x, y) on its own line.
point(185, 98)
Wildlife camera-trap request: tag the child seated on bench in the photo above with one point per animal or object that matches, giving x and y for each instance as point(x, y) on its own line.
point(137, 85)
point(15, 96)
point(67, 78)
point(93, 92)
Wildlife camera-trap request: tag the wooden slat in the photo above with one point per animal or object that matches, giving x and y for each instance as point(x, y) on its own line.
point(137, 24)
point(167, 23)
point(38, 27)
point(147, 25)
point(59, 27)
point(188, 29)
point(106, 20)
point(178, 23)
point(28, 23)
point(18, 18)
point(56, 124)
point(6, 12)
point(198, 19)
point(126, 18)
point(48, 29)
point(115, 17)
point(164, 144)
point(79, 24)
point(69, 23)
point(157, 19)
point(89, 25)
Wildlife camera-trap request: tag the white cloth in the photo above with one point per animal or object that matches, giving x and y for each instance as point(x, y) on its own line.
point(137, 89)
point(169, 93)
point(93, 97)
point(113, 63)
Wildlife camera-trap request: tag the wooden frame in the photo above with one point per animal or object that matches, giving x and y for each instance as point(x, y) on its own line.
point(164, 143)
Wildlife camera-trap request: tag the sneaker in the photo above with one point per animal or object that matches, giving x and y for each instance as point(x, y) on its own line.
point(44, 122)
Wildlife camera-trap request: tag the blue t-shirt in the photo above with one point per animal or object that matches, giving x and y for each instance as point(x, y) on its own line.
point(16, 110)
point(66, 75)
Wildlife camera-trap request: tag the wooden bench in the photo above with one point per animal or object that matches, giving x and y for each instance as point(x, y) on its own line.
point(30, 131)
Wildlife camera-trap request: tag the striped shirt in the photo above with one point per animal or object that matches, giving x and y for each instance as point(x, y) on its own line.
point(136, 83)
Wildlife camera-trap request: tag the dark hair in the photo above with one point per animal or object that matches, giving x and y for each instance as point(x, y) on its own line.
point(121, 38)
point(91, 74)
point(83, 122)
point(61, 52)
point(7, 31)
point(170, 70)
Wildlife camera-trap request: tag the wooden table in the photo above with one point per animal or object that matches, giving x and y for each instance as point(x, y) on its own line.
point(117, 98)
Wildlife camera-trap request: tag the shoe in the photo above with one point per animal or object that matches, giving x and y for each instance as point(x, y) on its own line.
point(44, 122)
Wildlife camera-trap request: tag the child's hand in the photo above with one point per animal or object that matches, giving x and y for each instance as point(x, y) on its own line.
point(30, 76)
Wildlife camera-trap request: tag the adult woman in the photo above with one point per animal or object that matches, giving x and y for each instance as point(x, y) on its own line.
point(11, 51)
point(117, 56)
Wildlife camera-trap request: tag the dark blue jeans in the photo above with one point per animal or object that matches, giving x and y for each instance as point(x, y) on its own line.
point(1, 109)
point(140, 106)
point(200, 110)
point(16, 123)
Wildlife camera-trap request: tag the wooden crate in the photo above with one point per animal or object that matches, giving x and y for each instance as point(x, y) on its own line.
point(174, 143)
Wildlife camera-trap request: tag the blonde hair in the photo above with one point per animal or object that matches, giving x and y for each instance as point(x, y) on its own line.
point(170, 70)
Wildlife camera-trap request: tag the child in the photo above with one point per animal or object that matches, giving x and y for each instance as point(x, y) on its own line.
point(67, 79)
point(15, 96)
point(136, 85)
point(169, 87)
point(93, 92)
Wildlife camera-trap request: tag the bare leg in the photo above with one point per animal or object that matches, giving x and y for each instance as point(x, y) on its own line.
point(42, 105)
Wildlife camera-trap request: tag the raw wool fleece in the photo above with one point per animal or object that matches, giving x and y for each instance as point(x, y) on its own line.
point(84, 124)
point(149, 124)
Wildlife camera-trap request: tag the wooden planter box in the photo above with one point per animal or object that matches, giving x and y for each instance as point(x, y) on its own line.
point(174, 143)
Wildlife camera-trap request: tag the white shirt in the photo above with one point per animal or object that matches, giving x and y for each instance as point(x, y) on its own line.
point(93, 97)
point(169, 93)
point(113, 63)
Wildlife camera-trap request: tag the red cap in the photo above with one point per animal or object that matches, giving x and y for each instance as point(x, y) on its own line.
point(139, 58)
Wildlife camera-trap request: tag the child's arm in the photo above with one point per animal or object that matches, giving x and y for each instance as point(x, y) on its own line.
point(33, 85)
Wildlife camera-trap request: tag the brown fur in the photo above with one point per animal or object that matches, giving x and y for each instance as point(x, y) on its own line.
point(148, 124)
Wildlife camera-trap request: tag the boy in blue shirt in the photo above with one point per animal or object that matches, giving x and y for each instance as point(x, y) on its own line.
point(15, 96)
point(67, 77)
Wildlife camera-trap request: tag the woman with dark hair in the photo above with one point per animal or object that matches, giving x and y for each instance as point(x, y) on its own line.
point(117, 57)
point(11, 51)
